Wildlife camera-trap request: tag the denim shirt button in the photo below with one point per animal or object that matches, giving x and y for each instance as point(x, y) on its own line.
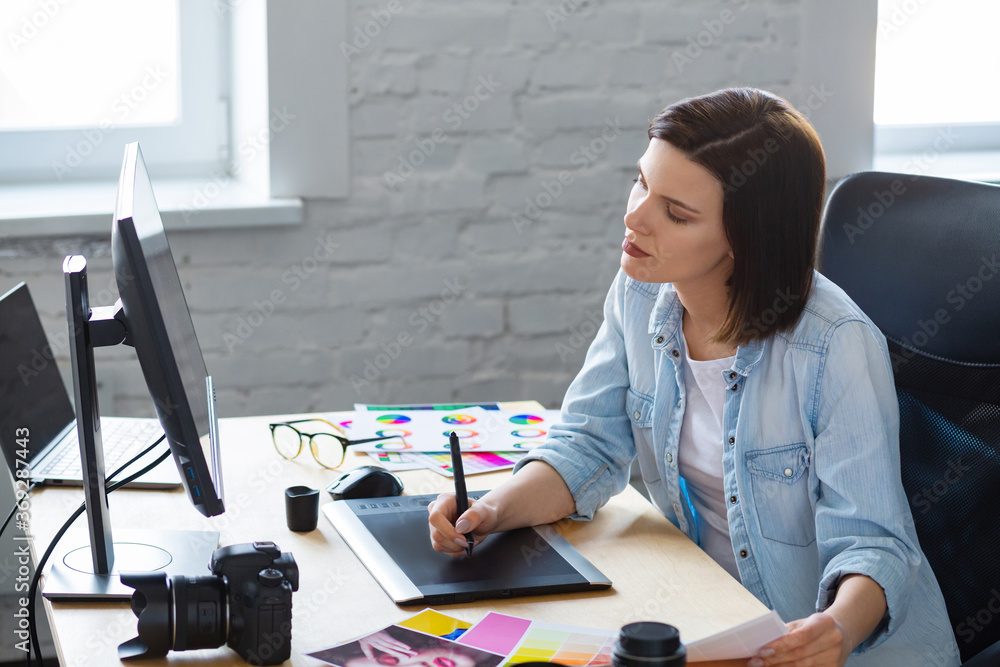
point(677, 508)
point(670, 457)
point(788, 472)
point(735, 387)
point(732, 440)
point(732, 499)
point(637, 415)
point(743, 553)
point(732, 376)
point(659, 340)
point(675, 353)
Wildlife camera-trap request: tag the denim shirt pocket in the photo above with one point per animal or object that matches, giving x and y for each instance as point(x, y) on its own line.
point(780, 481)
point(640, 413)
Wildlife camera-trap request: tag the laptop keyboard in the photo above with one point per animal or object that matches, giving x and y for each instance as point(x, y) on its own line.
point(122, 440)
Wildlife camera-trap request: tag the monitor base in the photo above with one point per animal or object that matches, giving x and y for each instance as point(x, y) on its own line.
point(71, 573)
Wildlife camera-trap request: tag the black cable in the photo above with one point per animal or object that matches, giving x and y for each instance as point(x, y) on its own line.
point(13, 510)
point(33, 589)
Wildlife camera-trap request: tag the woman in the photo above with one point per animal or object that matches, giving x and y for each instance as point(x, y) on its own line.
point(757, 396)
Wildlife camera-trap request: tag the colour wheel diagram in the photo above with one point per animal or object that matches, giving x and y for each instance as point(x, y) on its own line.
point(528, 433)
point(458, 419)
point(462, 433)
point(395, 444)
point(531, 444)
point(392, 419)
point(526, 420)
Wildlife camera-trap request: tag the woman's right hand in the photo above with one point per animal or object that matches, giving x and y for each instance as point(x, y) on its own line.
point(480, 519)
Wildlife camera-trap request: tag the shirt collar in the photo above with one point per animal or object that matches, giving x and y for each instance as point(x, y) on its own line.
point(665, 320)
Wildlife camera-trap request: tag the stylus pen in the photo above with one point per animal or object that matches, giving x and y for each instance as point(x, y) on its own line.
point(461, 495)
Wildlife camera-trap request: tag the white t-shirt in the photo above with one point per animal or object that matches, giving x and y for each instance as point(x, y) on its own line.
point(699, 456)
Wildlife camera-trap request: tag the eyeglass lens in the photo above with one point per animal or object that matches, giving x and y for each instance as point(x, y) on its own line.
point(287, 441)
point(327, 450)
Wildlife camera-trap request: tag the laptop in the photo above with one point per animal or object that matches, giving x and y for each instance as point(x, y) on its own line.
point(33, 397)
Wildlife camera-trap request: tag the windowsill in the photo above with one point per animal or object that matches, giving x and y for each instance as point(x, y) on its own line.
point(75, 209)
point(966, 165)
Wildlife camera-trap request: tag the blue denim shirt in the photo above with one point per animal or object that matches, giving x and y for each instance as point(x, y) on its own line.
point(810, 454)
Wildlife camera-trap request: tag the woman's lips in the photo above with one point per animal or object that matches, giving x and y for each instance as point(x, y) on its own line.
point(444, 662)
point(632, 251)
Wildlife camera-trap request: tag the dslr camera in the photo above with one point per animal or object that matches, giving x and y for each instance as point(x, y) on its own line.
point(245, 603)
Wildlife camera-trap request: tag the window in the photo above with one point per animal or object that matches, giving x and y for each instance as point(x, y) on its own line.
point(937, 108)
point(80, 80)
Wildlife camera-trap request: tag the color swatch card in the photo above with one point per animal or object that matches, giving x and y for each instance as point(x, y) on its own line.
point(478, 430)
point(522, 640)
point(451, 407)
point(395, 461)
point(435, 623)
point(473, 463)
point(739, 642)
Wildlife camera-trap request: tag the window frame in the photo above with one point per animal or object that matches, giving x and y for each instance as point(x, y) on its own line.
point(193, 146)
point(263, 187)
point(959, 149)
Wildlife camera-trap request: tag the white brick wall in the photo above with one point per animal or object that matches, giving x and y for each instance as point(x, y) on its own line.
point(484, 311)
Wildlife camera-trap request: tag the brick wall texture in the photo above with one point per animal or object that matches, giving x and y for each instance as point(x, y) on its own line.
point(493, 145)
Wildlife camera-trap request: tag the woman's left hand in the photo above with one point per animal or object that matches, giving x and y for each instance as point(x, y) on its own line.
point(817, 641)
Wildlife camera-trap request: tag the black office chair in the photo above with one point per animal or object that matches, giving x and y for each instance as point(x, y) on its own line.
point(921, 256)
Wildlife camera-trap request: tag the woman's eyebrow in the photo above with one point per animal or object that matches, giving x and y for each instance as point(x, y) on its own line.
point(669, 199)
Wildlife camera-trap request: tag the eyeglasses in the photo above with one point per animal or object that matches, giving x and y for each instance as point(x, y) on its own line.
point(328, 449)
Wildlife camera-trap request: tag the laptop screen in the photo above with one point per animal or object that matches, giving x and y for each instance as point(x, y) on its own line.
point(32, 394)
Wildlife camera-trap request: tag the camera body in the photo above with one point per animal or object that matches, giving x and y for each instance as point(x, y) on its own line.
point(259, 582)
point(246, 603)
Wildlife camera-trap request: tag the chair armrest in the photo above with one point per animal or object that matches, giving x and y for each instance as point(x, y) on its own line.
point(988, 657)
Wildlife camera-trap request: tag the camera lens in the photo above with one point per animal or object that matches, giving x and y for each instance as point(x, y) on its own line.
point(648, 644)
point(176, 613)
point(201, 617)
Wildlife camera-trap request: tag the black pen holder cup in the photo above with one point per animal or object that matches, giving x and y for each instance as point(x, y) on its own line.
point(648, 644)
point(301, 508)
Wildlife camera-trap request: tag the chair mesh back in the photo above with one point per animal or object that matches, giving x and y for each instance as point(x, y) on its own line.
point(949, 438)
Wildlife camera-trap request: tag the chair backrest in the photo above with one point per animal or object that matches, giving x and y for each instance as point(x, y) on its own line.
point(921, 256)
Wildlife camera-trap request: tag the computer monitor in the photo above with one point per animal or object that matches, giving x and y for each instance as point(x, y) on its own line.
point(160, 328)
point(152, 316)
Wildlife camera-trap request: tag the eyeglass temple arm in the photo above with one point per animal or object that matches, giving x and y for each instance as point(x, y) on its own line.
point(366, 440)
point(313, 419)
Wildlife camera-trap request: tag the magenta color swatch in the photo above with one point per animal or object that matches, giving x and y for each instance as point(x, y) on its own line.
point(497, 633)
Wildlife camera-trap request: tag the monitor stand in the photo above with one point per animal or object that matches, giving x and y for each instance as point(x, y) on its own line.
point(71, 574)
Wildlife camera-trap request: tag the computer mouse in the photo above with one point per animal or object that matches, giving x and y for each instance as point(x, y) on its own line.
point(366, 482)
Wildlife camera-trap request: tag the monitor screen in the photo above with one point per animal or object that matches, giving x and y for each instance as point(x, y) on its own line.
point(161, 330)
point(34, 396)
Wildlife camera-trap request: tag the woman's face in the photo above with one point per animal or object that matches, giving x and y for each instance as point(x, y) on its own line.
point(428, 657)
point(673, 225)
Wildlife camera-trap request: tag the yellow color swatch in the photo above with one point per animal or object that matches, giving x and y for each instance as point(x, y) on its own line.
point(434, 623)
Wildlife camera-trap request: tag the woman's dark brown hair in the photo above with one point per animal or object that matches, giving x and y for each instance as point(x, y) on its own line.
point(770, 163)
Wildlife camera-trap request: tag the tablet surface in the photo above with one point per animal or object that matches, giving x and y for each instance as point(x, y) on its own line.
point(390, 536)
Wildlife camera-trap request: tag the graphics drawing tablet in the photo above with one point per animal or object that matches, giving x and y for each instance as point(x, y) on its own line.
point(391, 538)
